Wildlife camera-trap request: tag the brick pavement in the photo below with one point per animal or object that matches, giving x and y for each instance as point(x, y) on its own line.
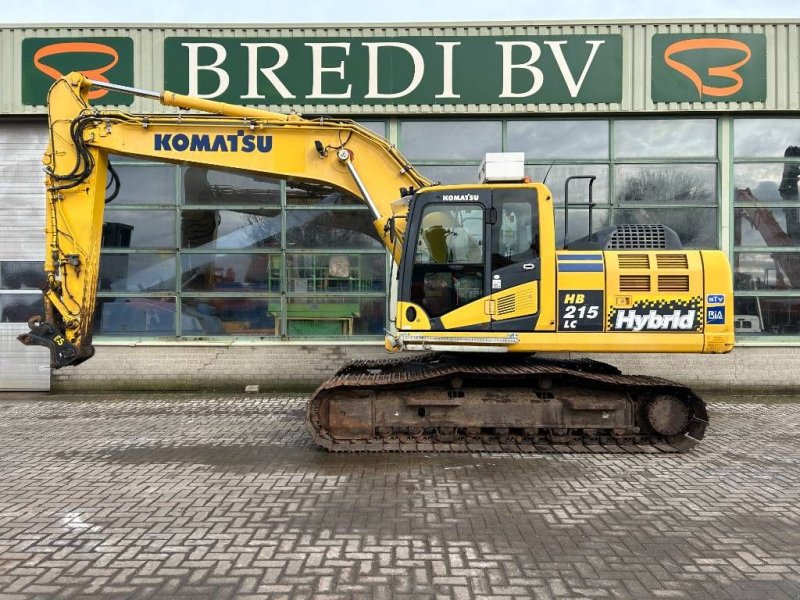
point(224, 497)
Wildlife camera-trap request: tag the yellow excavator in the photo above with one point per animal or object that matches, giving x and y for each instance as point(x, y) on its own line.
point(480, 285)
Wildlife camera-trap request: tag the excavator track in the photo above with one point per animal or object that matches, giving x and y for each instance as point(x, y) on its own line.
point(463, 403)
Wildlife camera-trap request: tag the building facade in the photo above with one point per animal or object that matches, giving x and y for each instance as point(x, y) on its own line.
point(217, 278)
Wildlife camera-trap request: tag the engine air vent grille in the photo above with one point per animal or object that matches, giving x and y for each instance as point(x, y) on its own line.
point(672, 261)
point(634, 261)
point(634, 283)
point(506, 304)
point(673, 283)
point(636, 237)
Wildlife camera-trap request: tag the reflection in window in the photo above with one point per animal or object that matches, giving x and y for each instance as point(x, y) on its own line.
point(144, 184)
point(378, 127)
point(696, 227)
point(766, 315)
point(450, 140)
point(666, 184)
point(762, 226)
point(141, 317)
point(556, 139)
point(331, 229)
point(665, 138)
point(18, 308)
point(231, 229)
point(579, 223)
point(22, 275)
point(311, 194)
point(766, 182)
point(215, 186)
point(137, 273)
point(578, 189)
point(757, 184)
point(230, 272)
point(447, 174)
point(228, 316)
point(139, 228)
point(765, 138)
point(766, 271)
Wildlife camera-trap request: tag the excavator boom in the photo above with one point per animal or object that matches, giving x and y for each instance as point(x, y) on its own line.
point(335, 152)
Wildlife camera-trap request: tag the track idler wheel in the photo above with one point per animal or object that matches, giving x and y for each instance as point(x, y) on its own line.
point(667, 415)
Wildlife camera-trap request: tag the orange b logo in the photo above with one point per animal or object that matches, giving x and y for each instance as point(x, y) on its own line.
point(77, 48)
point(727, 71)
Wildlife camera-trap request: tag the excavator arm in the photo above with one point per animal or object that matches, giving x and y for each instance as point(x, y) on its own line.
point(334, 152)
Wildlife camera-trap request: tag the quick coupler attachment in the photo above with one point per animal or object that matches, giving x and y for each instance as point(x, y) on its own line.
point(42, 333)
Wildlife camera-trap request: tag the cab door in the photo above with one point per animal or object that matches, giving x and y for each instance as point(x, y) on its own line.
point(515, 265)
point(449, 273)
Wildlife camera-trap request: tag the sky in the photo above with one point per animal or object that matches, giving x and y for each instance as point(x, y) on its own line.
point(264, 12)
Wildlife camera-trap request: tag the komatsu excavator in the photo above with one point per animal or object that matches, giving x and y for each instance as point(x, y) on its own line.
point(480, 285)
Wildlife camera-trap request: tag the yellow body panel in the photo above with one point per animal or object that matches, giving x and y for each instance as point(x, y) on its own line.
point(638, 301)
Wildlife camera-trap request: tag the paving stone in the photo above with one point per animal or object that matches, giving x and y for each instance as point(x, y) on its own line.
point(171, 495)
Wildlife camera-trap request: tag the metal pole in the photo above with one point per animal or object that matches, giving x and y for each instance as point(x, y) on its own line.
point(124, 89)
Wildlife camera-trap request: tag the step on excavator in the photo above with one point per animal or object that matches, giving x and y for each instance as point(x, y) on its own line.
point(480, 285)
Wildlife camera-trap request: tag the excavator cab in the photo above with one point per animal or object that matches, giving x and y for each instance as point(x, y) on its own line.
point(474, 260)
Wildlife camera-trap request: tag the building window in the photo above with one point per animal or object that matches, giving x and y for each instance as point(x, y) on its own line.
point(193, 252)
point(21, 284)
point(665, 171)
point(766, 226)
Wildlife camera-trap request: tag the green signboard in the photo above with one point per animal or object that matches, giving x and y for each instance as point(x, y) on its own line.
point(709, 67)
point(104, 58)
point(398, 70)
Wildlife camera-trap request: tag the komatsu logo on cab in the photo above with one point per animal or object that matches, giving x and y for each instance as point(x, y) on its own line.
point(460, 197)
point(678, 320)
point(204, 142)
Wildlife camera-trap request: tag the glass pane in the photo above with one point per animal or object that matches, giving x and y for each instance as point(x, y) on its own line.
point(766, 271)
point(229, 316)
point(513, 232)
point(145, 317)
point(139, 229)
point(558, 139)
point(448, 174)
point(330, 229)
point(766, 182)
point(765, 137)
point(378, 127)
point(578, 223)
point(145, 184)
point(311, 194)
point(213, 186)
point(18, 308)
point(231, 272)
point(767, 316)
point(450, 234)
point(450, 140)
point(667, 138)
point(336, 273)
point(696, 227)
point(763, 226)
point(578, 188)
point(666, 184)
point(137, 273)
point(224, 229)
point(319, 317)
point(22, 275)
